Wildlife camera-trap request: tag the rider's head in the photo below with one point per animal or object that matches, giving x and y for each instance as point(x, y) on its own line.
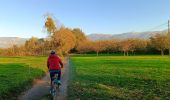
point(52, 52)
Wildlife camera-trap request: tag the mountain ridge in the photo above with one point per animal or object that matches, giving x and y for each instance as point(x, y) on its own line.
point(6, 42)
point(128, 35)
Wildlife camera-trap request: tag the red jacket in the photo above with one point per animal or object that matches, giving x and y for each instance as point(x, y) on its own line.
point(54, 63)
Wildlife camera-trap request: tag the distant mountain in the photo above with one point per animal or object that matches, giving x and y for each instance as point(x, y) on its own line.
point(138, 35)
point(6, 42)
point(100, 36)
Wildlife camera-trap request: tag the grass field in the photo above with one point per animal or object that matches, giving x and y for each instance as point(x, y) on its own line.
point(118, 77)
point(17, 73)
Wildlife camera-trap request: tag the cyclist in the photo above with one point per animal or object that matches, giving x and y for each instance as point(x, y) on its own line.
point(54, 65)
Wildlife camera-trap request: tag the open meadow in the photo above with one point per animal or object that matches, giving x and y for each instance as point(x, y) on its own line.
point(85, 50)
point(119, 77)
point(17, 74)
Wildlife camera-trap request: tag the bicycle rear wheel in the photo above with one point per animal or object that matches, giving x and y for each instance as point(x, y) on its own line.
point(54, 90)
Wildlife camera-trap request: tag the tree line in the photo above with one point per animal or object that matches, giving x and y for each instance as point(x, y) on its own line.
point(157, 44)
point(66, 40)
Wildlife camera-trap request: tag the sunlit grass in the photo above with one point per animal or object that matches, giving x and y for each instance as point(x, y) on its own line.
point(118, 77)
point(17, 73)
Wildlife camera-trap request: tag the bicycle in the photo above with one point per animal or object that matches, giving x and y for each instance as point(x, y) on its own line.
point(55, 84)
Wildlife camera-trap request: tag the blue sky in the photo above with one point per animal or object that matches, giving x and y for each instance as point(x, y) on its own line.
point(25, 18)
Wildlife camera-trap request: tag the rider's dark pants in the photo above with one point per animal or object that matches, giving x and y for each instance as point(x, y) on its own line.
point(53, 72)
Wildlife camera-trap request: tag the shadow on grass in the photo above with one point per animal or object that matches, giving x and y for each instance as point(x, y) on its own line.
point(47, 97)
point(117, 87)
point(16, 78)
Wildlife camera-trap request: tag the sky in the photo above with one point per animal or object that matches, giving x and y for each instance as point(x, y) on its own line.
point(25, 18)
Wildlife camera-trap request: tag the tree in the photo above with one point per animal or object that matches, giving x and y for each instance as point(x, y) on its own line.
point(137, 45)
point(160, 42)
point(98, 46)
point(63, 40)
point(80, 37)
point(1, 51)
point(50, 25)
point(111, 46)
point(85, 47)
point(125, 46)
point(31, 45)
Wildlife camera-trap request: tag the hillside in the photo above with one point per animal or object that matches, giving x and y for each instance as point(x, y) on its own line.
point(6, 42)
point(138, 35)
point(99, 36)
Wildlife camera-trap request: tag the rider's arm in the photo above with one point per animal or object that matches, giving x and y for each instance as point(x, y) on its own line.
point(48, 64)
point(61, 63)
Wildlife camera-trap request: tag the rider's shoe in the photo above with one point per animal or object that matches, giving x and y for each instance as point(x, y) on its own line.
point(55, 81)
point(59, 82)
point(50, 91)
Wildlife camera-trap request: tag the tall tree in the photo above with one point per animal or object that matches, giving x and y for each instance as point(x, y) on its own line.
point(50, 25)
point(63, 40)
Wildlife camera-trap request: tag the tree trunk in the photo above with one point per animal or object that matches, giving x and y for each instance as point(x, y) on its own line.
point(132, 52)
point(169, 50)
point(162, 52)
point(127, 54)
point(124, 53)
point(97, 53)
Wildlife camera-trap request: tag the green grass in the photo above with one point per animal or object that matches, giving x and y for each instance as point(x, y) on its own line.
point(112, 54)
point(17, 74)
point(118, 77)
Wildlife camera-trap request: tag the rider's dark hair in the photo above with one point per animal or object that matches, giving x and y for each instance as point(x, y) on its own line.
point(52, 52)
